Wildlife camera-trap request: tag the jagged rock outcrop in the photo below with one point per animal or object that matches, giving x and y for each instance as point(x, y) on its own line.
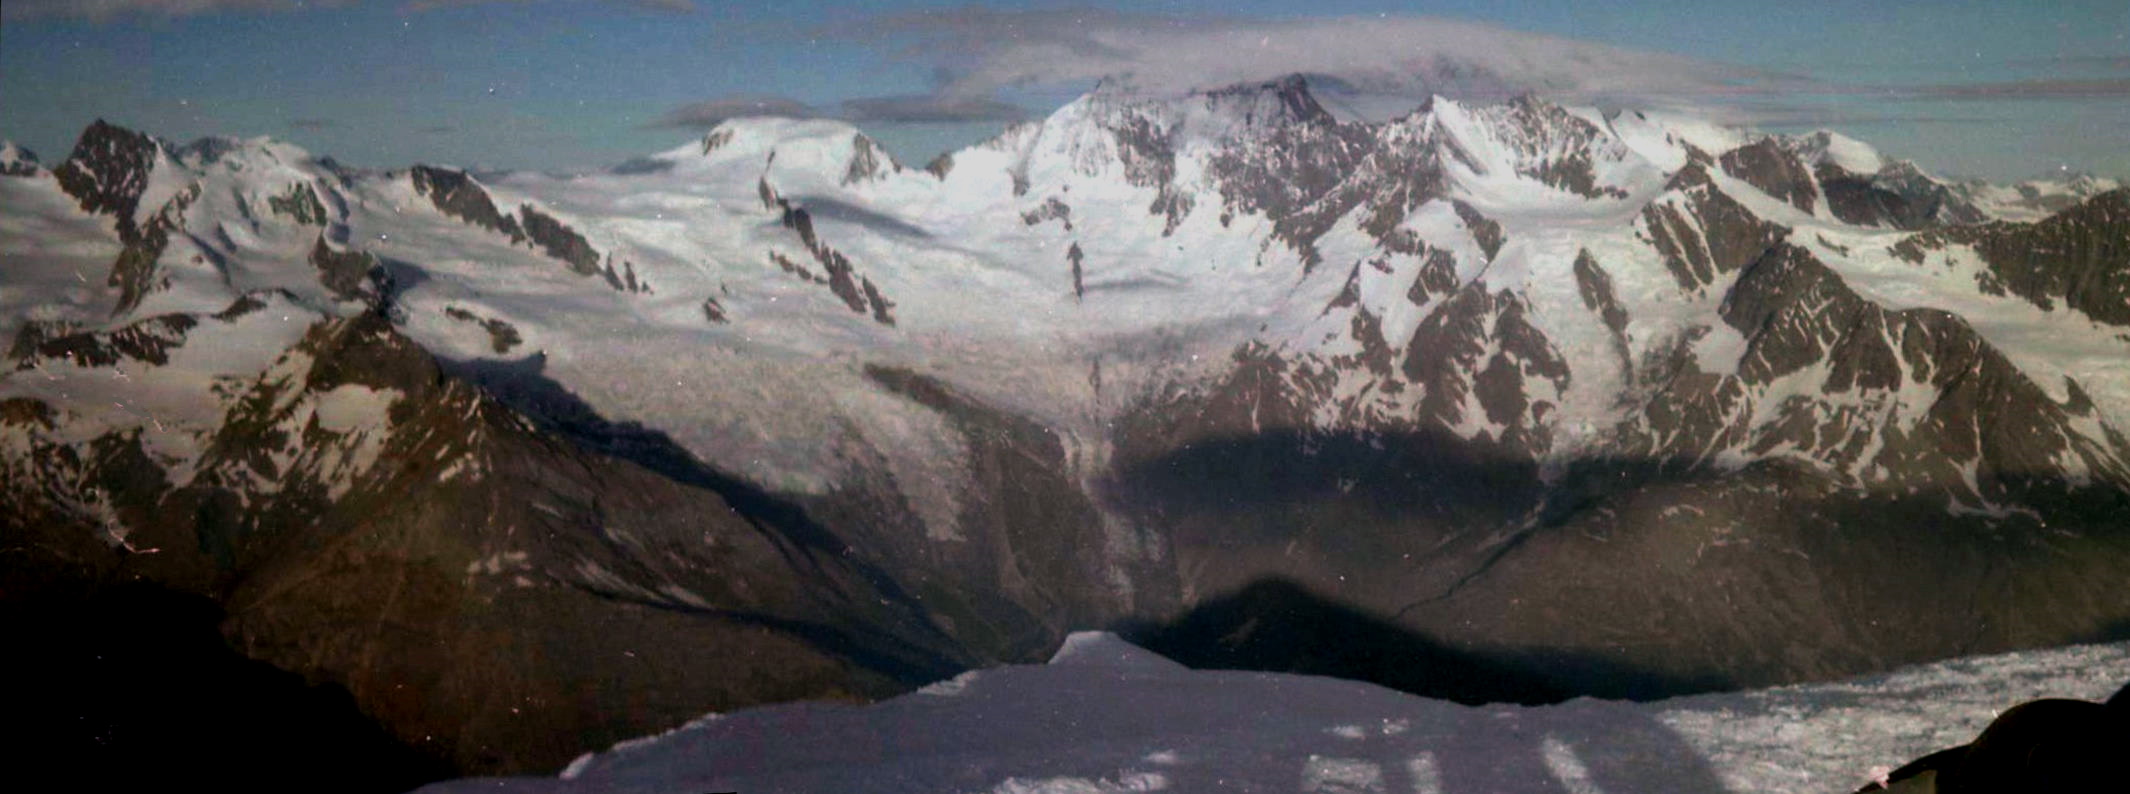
point(2080, 256)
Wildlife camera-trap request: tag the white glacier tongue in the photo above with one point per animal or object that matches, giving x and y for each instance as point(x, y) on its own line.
point(1105, 716)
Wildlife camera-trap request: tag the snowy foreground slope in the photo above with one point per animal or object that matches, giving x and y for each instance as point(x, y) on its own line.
point(1105, 716)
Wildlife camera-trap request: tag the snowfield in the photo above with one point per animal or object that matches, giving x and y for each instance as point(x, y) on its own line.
point(1106, 716)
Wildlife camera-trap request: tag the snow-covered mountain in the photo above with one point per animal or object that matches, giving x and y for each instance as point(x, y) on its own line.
point(1105, 716)
point(1626, 402)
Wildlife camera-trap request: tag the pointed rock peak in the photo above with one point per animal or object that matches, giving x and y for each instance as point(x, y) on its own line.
point(103, 140)
point(1535, 110)
point(716, 139)
point(109, 169)
point(431, 178)
point(1285, 99)
point(1766, 164)
point(206, 151)
point(1830, 148)
point(2085, 183)
point(1692, 175)
point(1531, 103)
point(459, 195)
point(1103, 649)
point(17, 161)
point(869, 161)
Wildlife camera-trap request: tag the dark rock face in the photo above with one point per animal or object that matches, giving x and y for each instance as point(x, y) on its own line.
point(1595, 287)
point(560, 241)
point(868, 161)
point(1300, 168)
point(107, 174)
point(1556, 146)
point(135, 270)
point(2080, 256)
point(1076, 258)
point(108, 171)
point(299, 204)
point(1052, 209)
point(1706, 233)
point(350, 275)
point(148, 341)
point(856, 291)
point(940, 166)
point(1855, 199)
point(1765, 164)
point(502, 336)
point(1898, 197)
point(34, 333)
point(1485, 230)
point(468, 564)
point(19, 162)
point(716, 139)
point(459, 196)
point(2054, 744)
point(1449, 357)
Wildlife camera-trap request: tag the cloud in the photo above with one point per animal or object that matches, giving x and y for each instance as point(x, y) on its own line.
point(672, 6)
point(979, 51)
point(2104, 62)
point(2097, 88)
point(919, 108)
point(312, 124)
point(901, 109)
point(108, 10)
point(704, 115)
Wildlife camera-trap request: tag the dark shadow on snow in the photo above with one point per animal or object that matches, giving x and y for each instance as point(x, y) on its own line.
point(523, 385)
point(1264, 511)
point(1280, 626)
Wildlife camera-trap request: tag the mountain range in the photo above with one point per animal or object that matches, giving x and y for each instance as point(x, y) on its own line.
point(1558, 400)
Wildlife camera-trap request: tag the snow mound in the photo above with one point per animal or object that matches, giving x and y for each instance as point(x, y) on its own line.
point(1842, 151)
point(1075, 725)
point(1103, 649)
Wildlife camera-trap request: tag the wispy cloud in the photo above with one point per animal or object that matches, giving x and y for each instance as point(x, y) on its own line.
point(673, 6)
point(110, 10)
point(2048, 88)
point(105, 10)
point(312, 124)
point(710, 113)
point(933, 108)
point(905, 109)
point(979, 51)
point(2104, 62)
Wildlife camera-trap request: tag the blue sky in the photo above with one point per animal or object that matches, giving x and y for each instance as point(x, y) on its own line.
point(1998, 90)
